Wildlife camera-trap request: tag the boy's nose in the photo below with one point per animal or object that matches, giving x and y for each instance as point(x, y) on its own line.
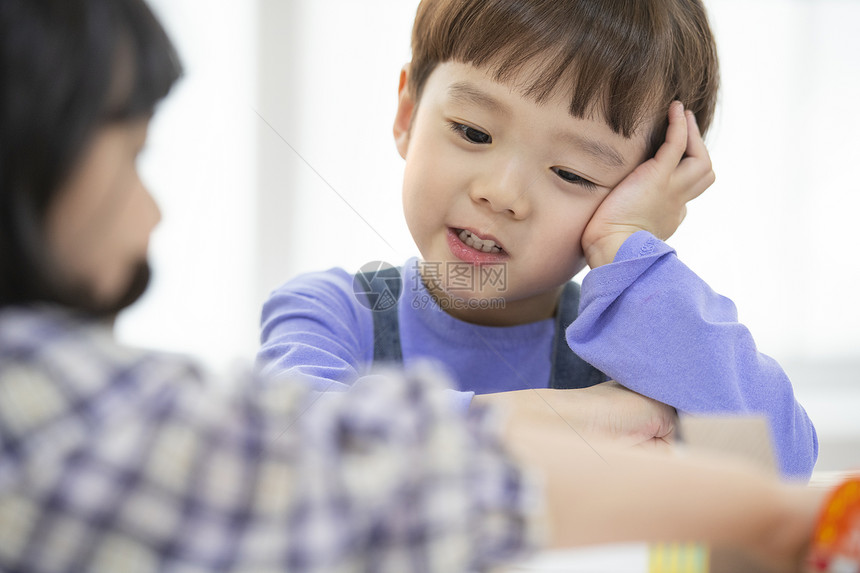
point(505, 192)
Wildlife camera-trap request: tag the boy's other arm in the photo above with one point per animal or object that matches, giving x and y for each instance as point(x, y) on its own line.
point(313, 329)
point(654, 196)
point(605, 413)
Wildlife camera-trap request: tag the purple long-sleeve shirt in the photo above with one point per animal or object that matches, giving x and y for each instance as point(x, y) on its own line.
point(645, 320)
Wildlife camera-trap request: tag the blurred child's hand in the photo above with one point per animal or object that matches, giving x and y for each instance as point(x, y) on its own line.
point(605, 413)
point(654, 196)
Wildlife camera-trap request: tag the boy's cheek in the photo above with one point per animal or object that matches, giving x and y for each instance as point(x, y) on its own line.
point(574, 223)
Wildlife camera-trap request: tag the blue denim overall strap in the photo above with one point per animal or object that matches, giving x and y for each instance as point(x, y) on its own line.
point(383, 289)
point(568, 369)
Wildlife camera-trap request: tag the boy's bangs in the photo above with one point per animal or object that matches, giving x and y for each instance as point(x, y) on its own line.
point(621, 60)
point(598, 53)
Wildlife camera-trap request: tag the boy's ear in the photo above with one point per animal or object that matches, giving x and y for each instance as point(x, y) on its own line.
point(405, 109)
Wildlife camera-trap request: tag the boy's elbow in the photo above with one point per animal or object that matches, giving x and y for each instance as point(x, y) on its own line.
point(799, 463)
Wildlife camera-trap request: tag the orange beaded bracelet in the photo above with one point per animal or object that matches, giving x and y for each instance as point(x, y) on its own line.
point(835, 546)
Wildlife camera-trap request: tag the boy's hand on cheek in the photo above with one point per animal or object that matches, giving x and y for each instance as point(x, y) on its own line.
point(654, 196)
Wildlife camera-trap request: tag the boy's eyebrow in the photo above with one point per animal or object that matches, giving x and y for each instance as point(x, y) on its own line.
point(466, 93)
point(600, 151)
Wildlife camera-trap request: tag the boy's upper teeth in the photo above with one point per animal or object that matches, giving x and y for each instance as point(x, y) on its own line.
point(484, 245)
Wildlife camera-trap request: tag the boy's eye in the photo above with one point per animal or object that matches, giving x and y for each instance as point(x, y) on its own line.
point(573, 178)
point(470, 133)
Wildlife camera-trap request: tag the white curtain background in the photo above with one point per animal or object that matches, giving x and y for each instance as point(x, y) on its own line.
point(274, 156)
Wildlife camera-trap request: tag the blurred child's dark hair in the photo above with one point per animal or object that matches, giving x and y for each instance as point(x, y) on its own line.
point(626, 60)
point(67, 68)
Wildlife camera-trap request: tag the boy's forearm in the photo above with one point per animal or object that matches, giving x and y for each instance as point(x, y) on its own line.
point(653, 306)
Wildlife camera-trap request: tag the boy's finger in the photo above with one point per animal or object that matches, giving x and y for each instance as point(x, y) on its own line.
point(698, 186)
point(695, 143)
point(672, 150)
point(696, 166)
point(694, 176)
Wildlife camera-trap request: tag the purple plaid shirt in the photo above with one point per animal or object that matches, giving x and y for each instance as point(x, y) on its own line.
point(115, 459)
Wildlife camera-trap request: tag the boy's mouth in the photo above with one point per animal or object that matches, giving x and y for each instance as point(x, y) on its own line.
point(473, 240)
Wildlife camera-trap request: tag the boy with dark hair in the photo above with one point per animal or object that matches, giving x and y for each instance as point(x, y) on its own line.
point(537, 141)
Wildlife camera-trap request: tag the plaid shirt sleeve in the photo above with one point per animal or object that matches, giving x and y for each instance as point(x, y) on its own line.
point(120, 460)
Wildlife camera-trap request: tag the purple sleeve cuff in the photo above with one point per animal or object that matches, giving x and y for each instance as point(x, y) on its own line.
point(640, 244)
point(460, 401)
